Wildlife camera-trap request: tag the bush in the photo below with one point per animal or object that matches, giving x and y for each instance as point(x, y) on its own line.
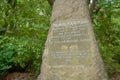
point(106, 24)
point(20, 54)
point(6, 54)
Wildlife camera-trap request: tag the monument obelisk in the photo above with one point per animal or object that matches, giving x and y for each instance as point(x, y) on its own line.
point(71, 51)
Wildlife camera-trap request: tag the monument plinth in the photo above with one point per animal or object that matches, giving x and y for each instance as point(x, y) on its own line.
point(71, 51)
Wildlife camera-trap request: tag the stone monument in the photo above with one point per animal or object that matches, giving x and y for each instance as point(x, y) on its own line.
point(71, 51)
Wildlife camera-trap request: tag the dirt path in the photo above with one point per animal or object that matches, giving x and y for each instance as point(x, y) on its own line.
point(20, 76)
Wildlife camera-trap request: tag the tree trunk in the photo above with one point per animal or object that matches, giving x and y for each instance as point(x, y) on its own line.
point(71, 51)
point(92, 6)
point(51, 2)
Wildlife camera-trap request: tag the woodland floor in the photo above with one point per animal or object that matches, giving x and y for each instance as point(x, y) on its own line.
point(30, 76)
point(116, 77)
point(20, 76)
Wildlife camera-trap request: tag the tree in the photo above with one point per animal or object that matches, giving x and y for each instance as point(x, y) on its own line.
point(106, 24)
point(23, 29)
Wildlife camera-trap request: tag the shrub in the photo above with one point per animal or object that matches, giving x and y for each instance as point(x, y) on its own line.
point(20, 54)
point(6, 54)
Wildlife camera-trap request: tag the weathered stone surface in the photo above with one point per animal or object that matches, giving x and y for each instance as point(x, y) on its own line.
point(71, 52)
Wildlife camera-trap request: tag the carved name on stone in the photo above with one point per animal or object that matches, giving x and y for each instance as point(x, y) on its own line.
point(68, 37)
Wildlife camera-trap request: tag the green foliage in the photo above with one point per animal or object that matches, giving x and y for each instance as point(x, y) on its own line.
point(20, 54)
point(23, 29)
point(106, 23)
point(6, 54)
point(24, 16)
